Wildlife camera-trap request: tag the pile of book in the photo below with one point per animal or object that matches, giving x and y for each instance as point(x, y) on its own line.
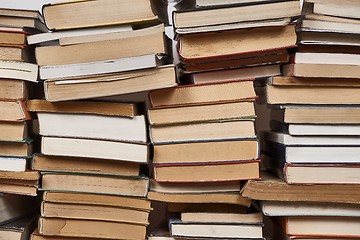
point(314, 137)
point(18, 77)
point(93, 152)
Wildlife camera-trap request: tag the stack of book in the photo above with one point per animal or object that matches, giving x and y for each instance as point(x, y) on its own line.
point(18, 75)
point(101, 53)
point(314, 137)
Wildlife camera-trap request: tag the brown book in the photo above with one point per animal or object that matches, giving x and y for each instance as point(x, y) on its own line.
point(76, 14)
point(19, 13)
point(94, 212)
point(16, 53)
point(220, 130)
point(15, 131)
point(241, 41)
point(13, 111)
point(271, 188)
point(321, 70)
point(202, 113)
point(102, 50)
point(36, 236)
point(90, 228)
point(202, 94)
point(125, 186)
point(19, 22)
point(311, 95)
point(84, 165)
point(27, 175)
point(110, 84)
point(206, 152)
point(18, 189)
point(316, 114)
point(23, 148)
point(13, 89)
point(12, 36)
point(202, 198)
point(85, 107)
point(97, 199)
point(326, 82)
point(207, 173)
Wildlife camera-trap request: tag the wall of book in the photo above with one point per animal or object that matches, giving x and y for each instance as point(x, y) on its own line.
point(202, 119)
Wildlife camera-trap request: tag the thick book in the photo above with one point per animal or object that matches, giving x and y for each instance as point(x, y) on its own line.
point(221, 172)
point(199, 132)
point(206, 152)
point(202, 113)
point(99, 229)
point(15, 131)
point(125, 186)
point(234, 14)
point(94, 212)
point(319, 226)
point(91, 148)
point(75, 14)
point(184, 229)
point(13, 111)
point(89, 126)
point(109, 84)
point(13, 89)
point(316, 114)
point(97, 199)
point(84, 165)
point(271, 188)
point(21, 149)
point(19, 70)
point(85, 107)
point(276, 208)
point(96, 51)
point(243, 41)
point(312, 95)
point(15, 206)
point(19, 229)
point(201, 94)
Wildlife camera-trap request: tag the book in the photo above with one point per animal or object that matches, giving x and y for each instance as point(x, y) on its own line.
point(208, 131)
point(241, 41)
point(203, 113)
point(311, 95)
point(316, 114)
point(180, 229)
point(210, 217)
point(13, 89)
point(233, 171)
point(15, 131)
point(89, 126)
point(326, 82)
point(327, 39)
point(233, 14)
point(349, 11)
point(97, 199)
point(20, 22)
point(271, 188)
point(85, 107)
point(130, 45)
point(236, 74)
point(91, 148)
point(206, 152)
point(125, 186)
point(22, 149)
point(76, 14)
point(94, 212)
point(110, 84)
point(16, 53)
point(198, 94)
point(276, 208)
point(20, 228)
point(99, 229)
point(316, 129)
point(18, 189)
point(84, 165)
point(322, 226)
point(13, 111)
point(16, 164)
point(99, 67)
point(36, 236)
point(26, 13)
point(27, 175)
point(329, 26)
point(14, 206)
point(19, 70)
point(210, 3)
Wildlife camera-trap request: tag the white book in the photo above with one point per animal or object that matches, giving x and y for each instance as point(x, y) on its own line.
point(93, 126)
point(55, 36)
point(327, 58)
point(75, 147)
point(276, 209)
point(19, 70)
point(324, 130)
point(289, 140)
point(101, 67)
point(339, 9)
point(327, 26)
point(13, 164)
